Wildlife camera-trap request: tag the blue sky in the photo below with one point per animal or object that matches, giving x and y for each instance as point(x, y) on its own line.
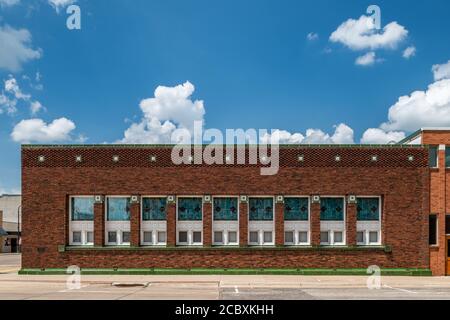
point(249, 64)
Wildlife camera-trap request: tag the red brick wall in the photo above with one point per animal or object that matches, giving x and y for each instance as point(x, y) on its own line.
point(402, 184)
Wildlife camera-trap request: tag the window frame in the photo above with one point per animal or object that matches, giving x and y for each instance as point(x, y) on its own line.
point(225, 226)
point(155, 226)
point(189, 226)
point(118, 226)
point(368, 226)
point(298, 226)
point(436, 147)
point(447, 156)
point(436, 216)
point(331, 226)
point(261, 226)
point(82, 226)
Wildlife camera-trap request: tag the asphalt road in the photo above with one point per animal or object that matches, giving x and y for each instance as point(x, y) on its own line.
point(15, 287)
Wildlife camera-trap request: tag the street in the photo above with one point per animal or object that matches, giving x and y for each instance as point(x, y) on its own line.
point(214, 287)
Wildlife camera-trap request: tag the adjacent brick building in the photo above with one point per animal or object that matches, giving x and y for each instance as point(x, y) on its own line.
point(121, 206)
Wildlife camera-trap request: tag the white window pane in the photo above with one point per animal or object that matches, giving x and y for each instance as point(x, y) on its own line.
point(89, 237)
point(218, 237)
point(324, 238)
point(76, 237)
point(360, 237)
point(373, 237)
point(289, 237)
point(268, 237)
point(197, 237)
point(254, 237)
point(232, 237)
point(161, 237)
point(182, 237)
point(126, 237)
point(112, 237)
point(338, 237)
point(148, 237)
point(303, 237)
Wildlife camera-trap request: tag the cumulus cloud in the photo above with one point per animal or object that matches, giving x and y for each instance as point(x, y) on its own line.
point(422, 108)
point(361, 34)
point(15, 49)
point(59, 4)
point(37, 131)
point(12, 94)
point(312, 36)
point(379, 136)
point(8, 3)
point(409, 52)
point(170, 109)
point(427, 108)
point(35, 107)
point(343, 134)
point(368, 59)
point(441, 71)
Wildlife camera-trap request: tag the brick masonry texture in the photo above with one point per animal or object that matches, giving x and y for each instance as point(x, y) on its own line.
point(403, 185)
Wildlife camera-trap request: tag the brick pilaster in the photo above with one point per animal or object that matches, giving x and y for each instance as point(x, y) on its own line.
point(135, 224)
point(350, 217)
point(279, 224)
point(243, 224)
point(171, 224)
point(207, 224)
point(315, 224)
point(99, 224)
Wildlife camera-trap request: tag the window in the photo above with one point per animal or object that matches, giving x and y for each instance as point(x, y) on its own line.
point(261, 220)
point(118, 209)
point(254, 237)
point(190, 216)
point(148, 237)
point(183, 237)
point(296, 209)
point(197, 237)
point(447, 156)
point(268, 237)
point(303, 237)
point(190, 209)
point(153, 209)
point(161, 237)
point(332, 209)
point(368, 216)
point(218, 237)
point(82, 208)
point(433, 229)
point(118, 220)
point(154, 220)
point(324, 237)
point(76, 237)
point(433, 157)
point(289, 237)
point(232, 237)
point(225, 209)
point(338, 237)
point(112, 237)
point(447, 224)
point(81, 224)
point(261, 209)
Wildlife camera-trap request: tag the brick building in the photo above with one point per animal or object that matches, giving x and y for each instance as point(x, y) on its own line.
point(128, 207)
point(438, 140)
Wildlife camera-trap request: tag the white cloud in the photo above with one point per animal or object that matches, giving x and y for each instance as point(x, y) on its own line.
point(59, 4)
point(35, 107)
point(441, 71)
point(361, 34)
point(409, 52)
point(379, 136)
point(7, 105)
point(342, 135)
point(421, 109)
point(171, 108)
point(312, 36)
point(9, 3)
point(15, 48)
point(37, 131)
point(12, 87)
point(368, 59)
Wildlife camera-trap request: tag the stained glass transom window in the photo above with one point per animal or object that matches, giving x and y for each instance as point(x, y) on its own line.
point(368, 209)
point(82, 208)
point(118, 209)
point(190, 209)
point(332, 209)
point(296, 209)
point(261, 209)
point(154, 209)
point(225, 209)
